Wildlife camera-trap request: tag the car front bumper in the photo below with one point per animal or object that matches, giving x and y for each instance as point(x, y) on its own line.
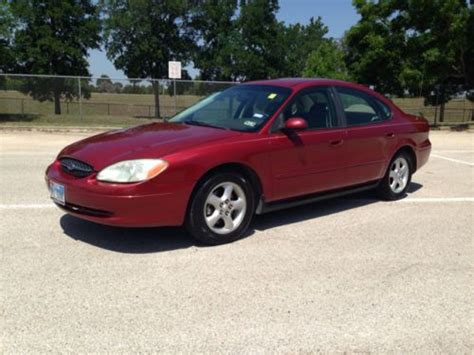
point(145, 204)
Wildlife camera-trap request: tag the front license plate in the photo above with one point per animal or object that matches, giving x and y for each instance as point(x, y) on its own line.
point(57, 192)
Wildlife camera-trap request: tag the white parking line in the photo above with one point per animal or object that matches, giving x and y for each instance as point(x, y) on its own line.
point(27, 206)
point(436, 199)
point(453, 160)
point(14, 154)
point(405, 200)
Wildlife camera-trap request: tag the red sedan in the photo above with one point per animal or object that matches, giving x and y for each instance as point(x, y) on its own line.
point(250, 149)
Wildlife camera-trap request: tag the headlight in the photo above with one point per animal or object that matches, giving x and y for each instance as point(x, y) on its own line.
point(132, 170)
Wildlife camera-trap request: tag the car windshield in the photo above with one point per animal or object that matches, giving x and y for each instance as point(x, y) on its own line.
point(243, 108)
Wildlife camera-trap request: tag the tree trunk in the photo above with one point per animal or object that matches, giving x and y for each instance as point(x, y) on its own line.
point(441, 112)
point(57, 102)
point(156, 92)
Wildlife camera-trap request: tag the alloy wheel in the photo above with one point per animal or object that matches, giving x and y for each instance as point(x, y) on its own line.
point(399, 173)
point(225, 208)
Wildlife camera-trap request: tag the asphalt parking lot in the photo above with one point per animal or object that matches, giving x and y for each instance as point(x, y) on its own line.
point(353, 274)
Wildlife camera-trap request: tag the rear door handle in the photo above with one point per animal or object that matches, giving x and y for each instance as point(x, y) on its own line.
point(337, 143)
point(390, 135)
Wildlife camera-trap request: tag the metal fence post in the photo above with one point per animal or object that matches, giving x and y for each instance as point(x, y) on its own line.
point(80, 97)
point(174, 94)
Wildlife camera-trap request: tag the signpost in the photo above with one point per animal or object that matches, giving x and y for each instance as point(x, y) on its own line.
point(174, 72)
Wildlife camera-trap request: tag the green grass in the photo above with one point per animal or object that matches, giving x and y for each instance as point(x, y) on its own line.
point(130, 105)
point(134, 99)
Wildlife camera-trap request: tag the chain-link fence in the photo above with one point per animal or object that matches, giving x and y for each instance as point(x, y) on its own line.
point(36, 98)
point(67, 100)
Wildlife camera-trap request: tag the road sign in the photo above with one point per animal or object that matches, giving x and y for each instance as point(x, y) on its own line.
point(174, 70)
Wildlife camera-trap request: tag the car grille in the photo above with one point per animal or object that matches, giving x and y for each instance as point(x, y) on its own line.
point(76, 168)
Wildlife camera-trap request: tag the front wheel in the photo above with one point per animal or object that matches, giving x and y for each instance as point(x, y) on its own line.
point(221, 209)
point(397, 179)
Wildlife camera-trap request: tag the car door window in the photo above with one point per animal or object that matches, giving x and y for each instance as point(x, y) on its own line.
point(384, 110)
point(361, 109)
point(315, 106)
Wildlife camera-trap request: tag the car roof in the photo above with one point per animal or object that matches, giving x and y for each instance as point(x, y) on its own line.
point(299, 83)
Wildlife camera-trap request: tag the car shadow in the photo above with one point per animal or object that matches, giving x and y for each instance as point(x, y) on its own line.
point(126, 240)
point(314, 210)
point(154, 240)
point(414, 186)
point(321, 208)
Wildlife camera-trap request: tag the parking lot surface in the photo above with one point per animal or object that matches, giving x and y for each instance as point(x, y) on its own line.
point(353, 274)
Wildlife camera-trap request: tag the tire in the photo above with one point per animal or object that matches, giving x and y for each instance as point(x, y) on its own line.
point(221, 209)
point(397, 179)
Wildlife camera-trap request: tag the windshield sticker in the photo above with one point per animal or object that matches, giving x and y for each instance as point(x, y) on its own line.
point(272, 96)
point(257, 115)
point(250, 123)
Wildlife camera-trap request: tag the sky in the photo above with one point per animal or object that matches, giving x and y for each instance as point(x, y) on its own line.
point(337, 15)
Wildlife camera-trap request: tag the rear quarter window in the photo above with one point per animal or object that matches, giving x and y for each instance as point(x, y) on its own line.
point(361, 108)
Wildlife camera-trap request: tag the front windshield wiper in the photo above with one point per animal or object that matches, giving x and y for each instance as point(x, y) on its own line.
point(202, 124)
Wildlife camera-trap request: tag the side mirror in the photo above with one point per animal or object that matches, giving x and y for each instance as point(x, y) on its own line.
point(296, 124)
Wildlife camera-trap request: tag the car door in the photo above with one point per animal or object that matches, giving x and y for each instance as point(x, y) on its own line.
point(312, 160)
point(369, 135)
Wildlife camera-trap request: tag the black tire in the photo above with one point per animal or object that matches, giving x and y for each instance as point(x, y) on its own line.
point(384, 189)
point(195, 220)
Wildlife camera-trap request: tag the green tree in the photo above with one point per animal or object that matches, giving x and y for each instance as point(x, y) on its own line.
point(256, 50)
point(299, 42)
point(243, 40)
point(469, 53)
point(141, 36)
point(374, 50)
point(53, 37)
point(420, 47)
point(326, 62)
point(215, 24)
point(104, 84)
point(7, 60)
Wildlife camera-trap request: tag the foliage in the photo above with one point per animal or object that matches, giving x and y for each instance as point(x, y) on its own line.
point(244, 41)
point(216, 27)
point(104, 84)
point(7, 23)
point(404, 48)
point(256, 51)
point(141, 36)
point(238, 40)
point(413, 47)
point(299, 42)
point(327, 61)
point(53, 38)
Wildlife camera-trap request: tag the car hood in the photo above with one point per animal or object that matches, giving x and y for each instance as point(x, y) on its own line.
point(154, 140)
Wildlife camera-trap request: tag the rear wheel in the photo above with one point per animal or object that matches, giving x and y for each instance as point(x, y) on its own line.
point(221, 209)
point(397, 179)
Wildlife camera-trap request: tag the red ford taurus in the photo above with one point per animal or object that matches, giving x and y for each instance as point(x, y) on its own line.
point(250, 149)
